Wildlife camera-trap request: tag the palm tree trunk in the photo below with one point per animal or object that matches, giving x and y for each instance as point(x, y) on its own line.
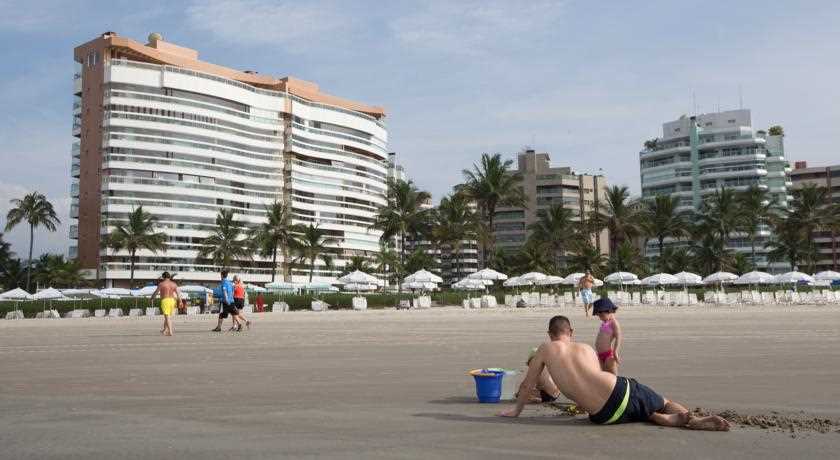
point(311, 269)
point(29, 265)
point(401, 273)
point(131, 273)
point(492, 236)
point(752, 247)
point(274, 263)
point(661, 250)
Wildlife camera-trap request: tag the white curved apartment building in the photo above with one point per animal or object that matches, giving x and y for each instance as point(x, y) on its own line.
point(698, 155)
point(185, 138)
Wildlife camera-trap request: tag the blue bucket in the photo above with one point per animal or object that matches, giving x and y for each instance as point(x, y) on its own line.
point(488, 384)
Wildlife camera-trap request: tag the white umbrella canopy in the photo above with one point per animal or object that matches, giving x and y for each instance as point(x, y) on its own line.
point(689, 278)
point(827, 275)
point(551, 280)
point(793, 277)
point(425, 285)
point(511, 282)
point(48, 294)
point(488, 274)
point(360, 277)
point(144, 291)
point(755, 277)
point(469, 284)
point(573, 278)
point(423, 276)
point(118, 292)
point(660, 279)
point(532, 277)
point(82, 293)
point(620, 278)
point(16, 294)
point(359, 287)
point(720, 277)
point(194, 288)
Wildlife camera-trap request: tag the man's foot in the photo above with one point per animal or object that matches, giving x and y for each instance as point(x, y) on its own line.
point(218, 329)
point(248, 325)
point(708, 423)
point(239, 328)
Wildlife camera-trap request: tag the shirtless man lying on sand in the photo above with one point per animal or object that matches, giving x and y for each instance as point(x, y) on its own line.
point(575, 369)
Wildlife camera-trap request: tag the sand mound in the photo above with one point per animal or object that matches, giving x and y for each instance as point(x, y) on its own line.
point(775, 421)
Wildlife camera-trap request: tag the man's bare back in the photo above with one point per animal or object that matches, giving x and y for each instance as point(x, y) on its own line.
point(575, 369)
point(167, 289)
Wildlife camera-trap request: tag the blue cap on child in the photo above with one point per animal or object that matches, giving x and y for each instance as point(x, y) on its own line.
point(603, 305)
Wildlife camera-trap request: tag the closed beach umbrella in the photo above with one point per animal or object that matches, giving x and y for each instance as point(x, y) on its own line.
point(488, 274)
point(720, 277)
point(423, 276)
point(620, 278)
point(754, 277)
point(660, 279)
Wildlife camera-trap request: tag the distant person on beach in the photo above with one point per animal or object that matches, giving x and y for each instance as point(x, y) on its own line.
point(585, 286)
point(608, 398)
point(260, 303)
point(169, 295)
point(545, 390)
point(239, 300)
point(227, 307)
point(609, 339)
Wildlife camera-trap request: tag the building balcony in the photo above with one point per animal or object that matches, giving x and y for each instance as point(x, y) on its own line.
point(72, 252)
point(74, 232)
point(77, 84)
point(74, 190)
point(75, 150)
point(74, 212)
point(75, 171)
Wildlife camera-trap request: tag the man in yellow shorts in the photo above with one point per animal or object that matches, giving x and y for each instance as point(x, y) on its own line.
point(169, 295)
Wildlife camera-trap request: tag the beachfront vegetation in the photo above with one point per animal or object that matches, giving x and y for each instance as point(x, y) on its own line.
point(310, 244)
point(35, 210)
point(137, 234)
point(273, 235)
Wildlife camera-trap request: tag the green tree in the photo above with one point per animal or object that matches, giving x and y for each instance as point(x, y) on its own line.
point(6, 255)
point(359, 263)
point(627, 258)
point(274, 234)
point(226, 245)
point(533, 257)
point(136, 234)
point(619, 216)
point(754, 212)
point(776, 130)
point(52, 270)
point(788, 243)
point(585, 256)
point(420, 260)
point(37, 211)
point(312, 243)
point(492, 183)
point(675, 260)
point(555, 229)
point(387, 262)
point(14, 274)
point(661, 220)
point(453, 222)
point(711, 255)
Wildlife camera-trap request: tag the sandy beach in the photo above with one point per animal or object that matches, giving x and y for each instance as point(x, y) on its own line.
point(389, 384)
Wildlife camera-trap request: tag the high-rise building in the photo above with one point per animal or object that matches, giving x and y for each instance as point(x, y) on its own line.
point(545, 186)
point(701, 154)
point(828, 242)
point(159, 128)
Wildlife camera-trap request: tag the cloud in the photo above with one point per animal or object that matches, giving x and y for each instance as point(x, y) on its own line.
point(22, 16)
point(476, 27)
point(289, 24)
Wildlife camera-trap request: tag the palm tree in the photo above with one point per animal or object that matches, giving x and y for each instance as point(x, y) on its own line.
point(6, 254)
point(534, 257)
point(135, 235)
point(719, 215)
point(36, 211)
point(810, 212)
point(662, 221)
point(585, 256)
point(490, 184)
point(226, 244)
point(754, 211)
point(453, 222)
point(311, 244)
point(627, 258)
point(555, 229)
point(789, 242)
point(403, 216)
point(386, 261)
point(675, 260)
point(13, 274)
point(711, 255)
point(420, 260)
point(620, 216)
point(355, 263)
point(274, 234)
point(53, 270)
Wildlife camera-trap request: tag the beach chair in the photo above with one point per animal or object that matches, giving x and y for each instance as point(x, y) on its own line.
point(476, 303)
point(466, 304)
point(508, 299)
point(115, 312)
point(152, 311)
point(767, 298)
point(100, 313)
point(568, 298)
point(692, 298)
point(191, 311)
point(14, 314)
point(77, 313)
point(359, 303)
point(318, 305)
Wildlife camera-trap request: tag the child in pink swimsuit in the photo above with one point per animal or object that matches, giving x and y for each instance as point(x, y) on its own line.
point(608, 341)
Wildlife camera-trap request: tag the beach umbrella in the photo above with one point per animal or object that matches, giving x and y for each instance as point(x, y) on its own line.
point(754, 277)
point(359, 287)
point(118, 292)
point(145, 291)
point(488, 274)
point(360, 277)
point(660, 279)
point(573, 278)
point(469, 285)
point(423, 285)
point(793, 277)
point(827, 275)
point(620, 278)
point(48, 294)
point(511, 282)
point(194, 288)
point(423, 276)
point(688, 278)
point(532, 277)
point(551, 280)
point(16, 294)
point(82, 293)
point(720, 277)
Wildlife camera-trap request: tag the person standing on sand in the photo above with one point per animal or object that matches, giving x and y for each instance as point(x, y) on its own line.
point(239, 300)
point(608, 398)
point(227, 307)
point(169, 295)
point(585, 288)
point(610, 338)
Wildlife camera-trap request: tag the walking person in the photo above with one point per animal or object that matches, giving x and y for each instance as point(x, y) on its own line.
point(239, 300)
point(225, 294)
point(169, 295)
point(585, 286)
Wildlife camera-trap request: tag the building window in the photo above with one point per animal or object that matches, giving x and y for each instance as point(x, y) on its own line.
point(731, 121)
point(708, 123)
point(92, 58)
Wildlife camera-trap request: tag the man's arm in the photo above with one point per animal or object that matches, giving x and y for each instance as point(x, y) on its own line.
point(152, 298)
point(531, 378)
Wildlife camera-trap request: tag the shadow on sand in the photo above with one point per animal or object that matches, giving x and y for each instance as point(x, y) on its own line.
point(547, 421)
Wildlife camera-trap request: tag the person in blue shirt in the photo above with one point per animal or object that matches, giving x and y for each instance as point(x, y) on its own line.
point(225, 295)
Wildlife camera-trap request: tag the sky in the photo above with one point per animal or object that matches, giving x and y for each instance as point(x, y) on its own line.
point(585, 81)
